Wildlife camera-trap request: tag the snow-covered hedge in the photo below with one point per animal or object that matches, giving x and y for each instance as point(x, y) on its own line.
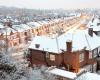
point(10, 69)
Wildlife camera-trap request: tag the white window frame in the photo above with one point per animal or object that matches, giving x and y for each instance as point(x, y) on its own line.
point(81, 57)
point(90, 54)
point(52, 57)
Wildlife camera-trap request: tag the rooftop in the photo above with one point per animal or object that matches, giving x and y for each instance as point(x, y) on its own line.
point(80, 39)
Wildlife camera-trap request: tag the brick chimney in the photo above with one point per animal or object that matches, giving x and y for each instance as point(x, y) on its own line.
point(90, 31)
point(69, 46)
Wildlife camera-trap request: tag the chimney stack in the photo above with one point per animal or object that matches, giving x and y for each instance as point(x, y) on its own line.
point(69, 45)
point(90, 32)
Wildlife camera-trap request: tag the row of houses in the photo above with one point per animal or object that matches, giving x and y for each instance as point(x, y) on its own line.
point(14, 35)
point(75, 51)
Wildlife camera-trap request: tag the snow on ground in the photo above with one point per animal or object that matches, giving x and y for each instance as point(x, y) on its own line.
point(39, 73)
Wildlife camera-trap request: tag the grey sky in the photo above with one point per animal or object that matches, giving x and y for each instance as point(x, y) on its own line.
point(51, 4)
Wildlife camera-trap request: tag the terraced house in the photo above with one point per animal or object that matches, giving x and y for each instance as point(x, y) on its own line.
point(9, 37)
point(24, 33)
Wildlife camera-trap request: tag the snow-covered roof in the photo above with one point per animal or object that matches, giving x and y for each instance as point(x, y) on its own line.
point(63, 73)
point(21, 27)
point(40, 22)
point(74, 76)
point(93, 22)
point(80, 39)
point(89, 76)
point(96, 20)
point(8, 30)
point(94, 25)
point(95, 28)
point(34, 24)
point(56, 20)
point(45, 44)
point(45, 22)
point(24, 26)
point(18, 28)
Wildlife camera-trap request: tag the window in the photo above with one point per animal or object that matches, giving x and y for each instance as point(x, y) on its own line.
point(52, 57)
point(81, 57)
point(95, 52)
point(90, 54)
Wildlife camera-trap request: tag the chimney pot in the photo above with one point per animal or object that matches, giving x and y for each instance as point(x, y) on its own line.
point(37, 45)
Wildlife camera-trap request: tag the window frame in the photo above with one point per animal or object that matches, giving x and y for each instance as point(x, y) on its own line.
point(52, 57)
point(81, 57)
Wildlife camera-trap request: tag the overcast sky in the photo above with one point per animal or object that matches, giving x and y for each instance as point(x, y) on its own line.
point(51, 4)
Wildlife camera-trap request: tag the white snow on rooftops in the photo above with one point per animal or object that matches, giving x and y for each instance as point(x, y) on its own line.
point(63, 73)
point(18, 28)
point(94, 24)
point(46, 44)
point(89, 76)
point(34, 24)
point(7, 30)
point(24, 26)
point(80, 39)
point(21, 27)
point(73, 76)
point(95, 28)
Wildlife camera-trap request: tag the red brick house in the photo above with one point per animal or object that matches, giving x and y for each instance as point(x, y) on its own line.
point(10, 36)
point(24, 32)
point(74, 51)
point(36, 28)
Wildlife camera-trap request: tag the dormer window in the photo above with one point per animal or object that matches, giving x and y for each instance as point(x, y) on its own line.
point(37, 45)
